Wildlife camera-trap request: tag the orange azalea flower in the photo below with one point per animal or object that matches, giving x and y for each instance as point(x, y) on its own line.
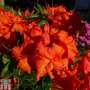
point(8, 24)
point(21, 27)
point(55, 10)
point(85, 70)
point(7, 37)
point(24, 53)
point(23, 60)
point(77, 78)
point(86, 63)
point(86, 66)
point(45, 35)
point(33, 30)
point(69, 81)
point(61, 19)
point(2, 10)
point(87, 54)
point(20, 53)
point(24, 65)
point(47, 59)
point(55, 55)
point(16, 19)
point(27, 12)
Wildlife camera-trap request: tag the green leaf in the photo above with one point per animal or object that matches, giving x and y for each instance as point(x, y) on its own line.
point(36, 9)
point(40, 9)
point(42, 22)
point(79, 73)
point(31, 16)
point(72, 66)
point(46, 14)
point(76, 62)
point(27, 81)
point(5, 71)
point(18, 41)
point(9, 70)
point(5, 59)
point(16, 30)
point(9, 75)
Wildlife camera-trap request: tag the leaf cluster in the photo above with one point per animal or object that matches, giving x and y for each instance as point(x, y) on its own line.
point(38, 15)
point(8, 66)
point(27, 82)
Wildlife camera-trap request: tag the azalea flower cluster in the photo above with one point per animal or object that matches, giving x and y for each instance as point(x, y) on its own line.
point(76, 78)
point(63, 20)
point(50, 49)
point(85, 39)
point(8, 24)
point(45, 50)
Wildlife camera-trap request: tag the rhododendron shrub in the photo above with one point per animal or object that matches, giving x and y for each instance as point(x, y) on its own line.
point(45, 42)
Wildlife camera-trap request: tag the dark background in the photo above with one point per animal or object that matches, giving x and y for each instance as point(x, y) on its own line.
point(28, 4)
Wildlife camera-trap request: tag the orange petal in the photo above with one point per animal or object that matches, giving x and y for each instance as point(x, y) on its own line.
point(24, 65)
point(41, 64)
